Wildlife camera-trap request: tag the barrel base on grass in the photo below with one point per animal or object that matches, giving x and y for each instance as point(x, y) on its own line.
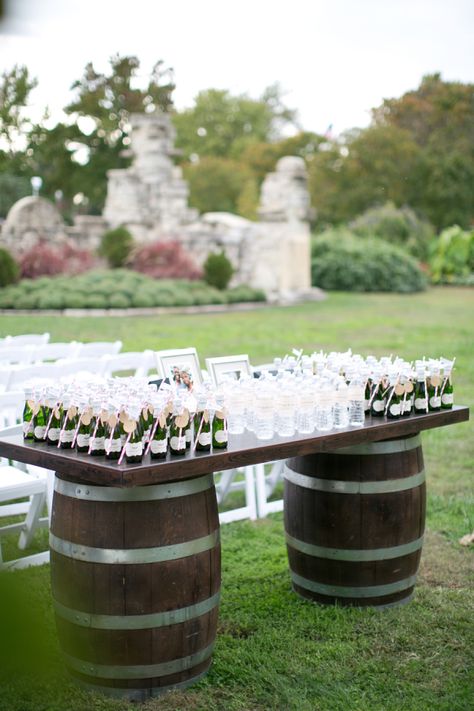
point(354, 523)
point(136, 582)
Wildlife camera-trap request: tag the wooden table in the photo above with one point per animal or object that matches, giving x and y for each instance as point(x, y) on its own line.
point(135, 554)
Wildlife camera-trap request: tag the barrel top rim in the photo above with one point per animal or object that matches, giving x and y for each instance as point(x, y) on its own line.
point(243, 450)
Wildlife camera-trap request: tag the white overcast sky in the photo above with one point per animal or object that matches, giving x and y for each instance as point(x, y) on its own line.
point(336, 59)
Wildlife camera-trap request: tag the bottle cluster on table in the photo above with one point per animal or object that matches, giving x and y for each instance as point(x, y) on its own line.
point(125, 418)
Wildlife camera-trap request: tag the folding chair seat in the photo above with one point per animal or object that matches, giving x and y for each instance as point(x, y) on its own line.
point(140, 362)
point(55, 351)
point(27, 339)
point(97, 349)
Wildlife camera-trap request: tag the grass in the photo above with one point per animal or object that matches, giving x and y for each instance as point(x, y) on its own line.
point(275, 651)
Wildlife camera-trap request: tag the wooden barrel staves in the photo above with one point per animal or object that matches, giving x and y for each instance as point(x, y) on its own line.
point(354, 522)
point(135, 579)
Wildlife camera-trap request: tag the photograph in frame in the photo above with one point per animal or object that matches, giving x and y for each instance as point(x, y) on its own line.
point(181, 367)
point(226, 367)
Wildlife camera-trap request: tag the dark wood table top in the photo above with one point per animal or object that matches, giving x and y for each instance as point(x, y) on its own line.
point(243, 450)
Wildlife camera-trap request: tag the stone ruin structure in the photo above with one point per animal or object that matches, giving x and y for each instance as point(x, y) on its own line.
point(150, 198)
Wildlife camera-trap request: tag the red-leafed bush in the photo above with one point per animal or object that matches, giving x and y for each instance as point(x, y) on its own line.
point(44, 259)
point(164, 260)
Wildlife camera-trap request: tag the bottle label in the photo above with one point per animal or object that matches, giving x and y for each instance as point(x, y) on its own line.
point(407, 406)
point(221, 436)
point(187, 435)
point(53, 434)
point(421, 403)
point(378, 405)
point(159, 446)
point(395, 409)
point(178, 443)
point(447, 398)
point(134, 449)
point(40, 431)
point(435, 401)
point(83, 440)
point(205, 439)
point(66, 435)
point(97, 443)
point(114, 446)
point(27, 427)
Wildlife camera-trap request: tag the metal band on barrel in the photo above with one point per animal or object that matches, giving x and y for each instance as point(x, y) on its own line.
point(345, 591)
point(136, 622)
point(336, 486)
point(356, 555)
point(133, 493)
point(139, 694)
point(133, 555)
point(391, 446)
point(139, 671)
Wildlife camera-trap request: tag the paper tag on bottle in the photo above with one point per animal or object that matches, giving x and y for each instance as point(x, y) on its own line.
point(205, 439)
point(421, 403)
point(72, 412)
point(129, 426)
point(221, 436)
point(162, 420)
point(53, 434)
point(35, 409)
point(113, 421)
point(399, 389)
point(182, 420)
point(447, 398)
point(159, 446)
point(435, 381)
point(40, 431)
point(178, 443)
point(395, 409)
point(86, 418)
point(435, 401)
point(409, 386)
point(378, 405)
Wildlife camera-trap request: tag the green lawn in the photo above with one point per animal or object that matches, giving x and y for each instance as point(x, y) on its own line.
point(275, 651)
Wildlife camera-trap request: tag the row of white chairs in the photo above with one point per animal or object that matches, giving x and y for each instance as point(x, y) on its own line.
point(26, 339)
point(25, 354)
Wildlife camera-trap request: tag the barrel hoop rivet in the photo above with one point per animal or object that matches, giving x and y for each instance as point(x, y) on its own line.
point(132, 556)
point(136, 622)
point(355, 592)
point(385, 447)
point(355, 555)
point(134, 493)
point(145, 671)
point(337, 486)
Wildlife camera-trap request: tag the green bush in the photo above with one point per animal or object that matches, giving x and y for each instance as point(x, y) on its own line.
point(9, 269)
point(452, 257)
point(51, 299)
point(341, 261)
point(116, 246)
point(244, 293)
point(398, 225)
point(218, 270)
point(27, 301)
point(96, 301)
point(119, 301)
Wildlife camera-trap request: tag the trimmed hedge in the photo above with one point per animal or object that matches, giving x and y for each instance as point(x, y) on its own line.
point(9, 269)
point(340, 261)
point(452, 257)
point(117, 289)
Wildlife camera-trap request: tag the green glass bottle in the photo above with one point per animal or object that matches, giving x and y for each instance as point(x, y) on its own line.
point(159, 443)
point(379, 401)
point(203, 427)
point(421, 394)
point(179, 422)
point(68, 426)
point(98, 432)
point(134, 446)
point(28, 429)
point(447, 397)
point(40, 420)
point(219, 426)
point(396, 392)
point(368, 387)
point(434, 391)
point(84, 431)
point(54, 429)
point(113, 443)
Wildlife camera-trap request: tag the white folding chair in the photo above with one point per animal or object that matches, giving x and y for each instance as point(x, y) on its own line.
point(27, 339)
point(266, 485)
point(54, 351)
point(226, 484)
point(98, 349)
point(72, 368)
point(47, 372)
point(139, 362)
point(21, 355)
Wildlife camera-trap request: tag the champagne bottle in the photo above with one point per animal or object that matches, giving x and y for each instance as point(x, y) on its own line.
point(159, 443)
point(68, 427)
point(97, 440)
point(179, 422)
point(395, 397)
point(113, 444)
point(203, 427)
point(406, 403)
point(28, 428)
point(134, 446)
point(447, 396)
point(434, 391)
point(54, 429)
point(219, 426)
point(378, 396)
point(40, 420)
point(368, 386)
point(421, 394)
point(84, 431)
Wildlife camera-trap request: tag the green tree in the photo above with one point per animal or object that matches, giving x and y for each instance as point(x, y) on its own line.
point(216, 184)
point(15, 87)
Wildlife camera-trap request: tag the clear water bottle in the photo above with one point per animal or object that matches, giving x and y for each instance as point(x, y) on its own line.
point(305, 413)
point(324, 410)
point(356, 397)
point(264, 412)
point(341, 406)
point(285, 412)
point(235, 407)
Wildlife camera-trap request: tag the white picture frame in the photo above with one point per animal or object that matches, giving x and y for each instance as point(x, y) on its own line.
point(228, 366)
point(181, 366)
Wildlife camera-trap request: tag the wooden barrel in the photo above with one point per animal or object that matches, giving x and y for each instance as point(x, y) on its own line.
point(354, 522)
point(135, 580)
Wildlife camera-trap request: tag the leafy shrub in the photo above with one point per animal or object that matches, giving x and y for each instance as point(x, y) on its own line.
point(397, 225)
point(9, 270)
point(44, 259)
point(164, 260)
point(218, 270)
point(119, 301)
point(115, 246)
point(96, 301)
point(245, 293)
point(27, 301)
point(344, 262)
point(51, 299)
point(452, 257)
